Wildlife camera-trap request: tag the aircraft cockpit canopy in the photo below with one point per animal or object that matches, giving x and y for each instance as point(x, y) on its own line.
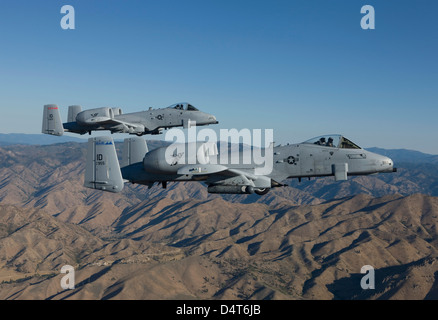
point(183, 106)
point(334, 141)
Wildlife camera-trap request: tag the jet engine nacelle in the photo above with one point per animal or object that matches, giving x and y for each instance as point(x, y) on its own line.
point(117, 111)
point(94, 116)
point(155, 162)
point(167, 160)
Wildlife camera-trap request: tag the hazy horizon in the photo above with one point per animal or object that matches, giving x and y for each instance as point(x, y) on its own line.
point(119, 138)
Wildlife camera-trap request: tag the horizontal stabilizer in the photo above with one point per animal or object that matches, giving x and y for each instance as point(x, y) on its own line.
point(102, 169)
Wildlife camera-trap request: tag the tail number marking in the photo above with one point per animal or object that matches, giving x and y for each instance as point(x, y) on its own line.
point(99, 159)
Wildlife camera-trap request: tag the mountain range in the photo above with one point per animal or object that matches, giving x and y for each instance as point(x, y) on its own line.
point(305, 241)
point(7, 139)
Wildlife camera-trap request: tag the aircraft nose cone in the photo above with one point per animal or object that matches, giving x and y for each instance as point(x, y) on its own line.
point(387, 164)
point(213, 119)
point(207, 118)
point(391, 165)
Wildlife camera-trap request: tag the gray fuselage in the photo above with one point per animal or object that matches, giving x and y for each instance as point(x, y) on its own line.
point(151, 121)
point(289, 161)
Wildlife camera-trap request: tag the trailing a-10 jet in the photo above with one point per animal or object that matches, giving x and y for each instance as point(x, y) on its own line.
point(332, 155)
point(151, 121)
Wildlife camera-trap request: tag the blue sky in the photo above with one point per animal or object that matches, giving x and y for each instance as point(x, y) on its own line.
point(302, 68)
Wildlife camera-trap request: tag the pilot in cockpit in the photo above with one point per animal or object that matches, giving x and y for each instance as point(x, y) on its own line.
point(320, 142)
point(330, 142)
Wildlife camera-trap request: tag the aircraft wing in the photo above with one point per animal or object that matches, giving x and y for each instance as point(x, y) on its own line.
point(222, 179)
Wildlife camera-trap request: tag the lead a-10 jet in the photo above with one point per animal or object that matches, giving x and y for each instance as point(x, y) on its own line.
point(332, 155)
point(151, 121)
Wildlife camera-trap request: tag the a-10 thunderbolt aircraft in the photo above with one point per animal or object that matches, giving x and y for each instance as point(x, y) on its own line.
point(151, 121)
point(331, 155)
